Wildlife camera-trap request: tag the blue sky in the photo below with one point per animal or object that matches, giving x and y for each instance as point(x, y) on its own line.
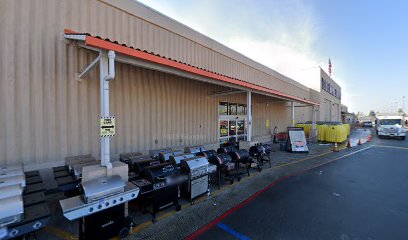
point(367, 41)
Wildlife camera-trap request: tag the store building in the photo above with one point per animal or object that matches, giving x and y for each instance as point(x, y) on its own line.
point(172, 87)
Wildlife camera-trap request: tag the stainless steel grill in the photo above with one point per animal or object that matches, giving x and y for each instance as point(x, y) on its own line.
point(98, 195)
point(102, 187)
point(197, 169)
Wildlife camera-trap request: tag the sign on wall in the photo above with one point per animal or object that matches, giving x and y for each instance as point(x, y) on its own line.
point(107, 126)
point(331, 88)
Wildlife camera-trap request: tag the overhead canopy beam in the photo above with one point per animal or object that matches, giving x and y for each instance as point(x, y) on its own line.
point(95, 42)
point(226, 92)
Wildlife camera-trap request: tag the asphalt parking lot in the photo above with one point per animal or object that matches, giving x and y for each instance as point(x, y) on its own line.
point(359, 196)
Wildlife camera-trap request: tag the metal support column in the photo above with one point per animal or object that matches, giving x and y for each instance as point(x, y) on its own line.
point(107, 73)
point(249, 115)
point(293, 113)
point(313, 133)
point(103, 71)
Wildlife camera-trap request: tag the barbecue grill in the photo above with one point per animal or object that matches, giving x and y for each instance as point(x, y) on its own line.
point(224, 165)
point(101, 207)
point(197, 169)
point(138, 163)
point(238, 157)
point(19, 213)
point(259, 152)
point(161, 185)
point(12, 209)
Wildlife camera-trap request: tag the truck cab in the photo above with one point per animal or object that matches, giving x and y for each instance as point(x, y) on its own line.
point(390, 126)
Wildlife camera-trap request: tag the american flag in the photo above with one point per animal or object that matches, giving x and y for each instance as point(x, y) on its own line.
point(330, 67)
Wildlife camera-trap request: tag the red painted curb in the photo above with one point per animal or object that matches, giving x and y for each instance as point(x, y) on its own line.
point(211, 224)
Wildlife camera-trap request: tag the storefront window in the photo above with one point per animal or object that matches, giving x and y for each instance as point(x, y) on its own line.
point(232, 129)
point(241, 109)
point(232, 108)
point(223, 108)
point(241, 127)
point(223, 128)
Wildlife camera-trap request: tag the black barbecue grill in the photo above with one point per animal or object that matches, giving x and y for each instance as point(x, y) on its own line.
point(258, 152)
point(238, 157)
point(224, 164)
point(160, 184)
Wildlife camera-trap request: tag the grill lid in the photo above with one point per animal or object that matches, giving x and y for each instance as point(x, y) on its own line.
point(176, 159)
point(13, 180)
point(194, 149)
point(77, 169)
point(165, 156)
point(257, 150)
point(11, 210)
point(11, 191)
point(11, 167)
point(11, 173)
point(96, 189)
point(155, 153)
point(195, 163)
point(163, 170)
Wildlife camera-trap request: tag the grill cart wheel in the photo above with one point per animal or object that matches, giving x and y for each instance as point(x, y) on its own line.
point(178, 207)
point(123, 233)
point(232, 181)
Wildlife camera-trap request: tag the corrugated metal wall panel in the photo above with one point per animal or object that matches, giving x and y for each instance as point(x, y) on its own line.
point(47, 114)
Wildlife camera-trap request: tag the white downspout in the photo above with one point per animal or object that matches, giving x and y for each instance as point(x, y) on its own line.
point(249, 116)
point(111, 57)
point(107, 73)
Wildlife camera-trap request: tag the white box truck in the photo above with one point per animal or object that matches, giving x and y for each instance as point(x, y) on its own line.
point(390, 126)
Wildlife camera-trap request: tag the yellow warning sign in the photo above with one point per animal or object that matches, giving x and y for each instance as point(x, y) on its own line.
point(107, 126)
point(267, 124)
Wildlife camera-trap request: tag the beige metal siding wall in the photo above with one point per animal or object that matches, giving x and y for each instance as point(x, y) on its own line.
point(46, 114)
point(132, 30)
point(156, 110)
point(332, 110)
point(274, 110)
point(303, 114)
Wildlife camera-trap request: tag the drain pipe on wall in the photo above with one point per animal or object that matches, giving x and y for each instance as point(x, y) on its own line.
point(107, 73)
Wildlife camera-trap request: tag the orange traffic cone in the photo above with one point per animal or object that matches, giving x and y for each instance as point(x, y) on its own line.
point(348, 143)
point(369, 138)
point(359, 141)
point(335, 147)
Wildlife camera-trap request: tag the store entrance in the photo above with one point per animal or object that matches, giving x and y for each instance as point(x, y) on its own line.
point(232, 122)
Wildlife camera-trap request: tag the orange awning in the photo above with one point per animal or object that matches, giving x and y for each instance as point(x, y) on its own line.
point(106, 44)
